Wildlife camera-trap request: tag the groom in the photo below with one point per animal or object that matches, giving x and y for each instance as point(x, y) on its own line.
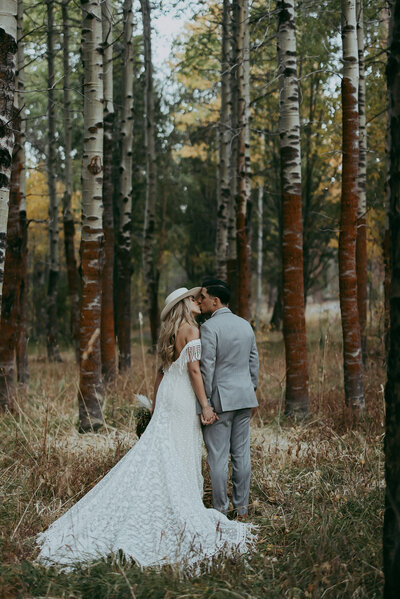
point(229, 366)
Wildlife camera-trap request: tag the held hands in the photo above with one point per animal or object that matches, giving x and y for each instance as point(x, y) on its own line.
point(208, 416)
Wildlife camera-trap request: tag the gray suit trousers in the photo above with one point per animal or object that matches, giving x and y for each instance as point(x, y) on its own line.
point(229, 435)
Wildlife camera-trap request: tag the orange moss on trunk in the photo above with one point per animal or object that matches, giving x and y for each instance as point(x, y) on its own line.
point(352, 355)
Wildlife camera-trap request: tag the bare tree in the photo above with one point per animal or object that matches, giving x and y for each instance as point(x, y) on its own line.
point(352, 355)
point(361, 243)
point(294, 326)
point(108, 361)
point(243, 165)
point(124, 267)
point(151, 273)
point(8, 49)
point(54, 266)
point(224, 141)
point(22, 334)
point(90, 383)
point(68, 218)
point(391, 529)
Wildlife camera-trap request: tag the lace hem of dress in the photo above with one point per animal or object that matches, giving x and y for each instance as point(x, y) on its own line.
point(195, 563)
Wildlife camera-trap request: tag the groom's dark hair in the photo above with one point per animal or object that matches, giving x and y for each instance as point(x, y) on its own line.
point(217, 288)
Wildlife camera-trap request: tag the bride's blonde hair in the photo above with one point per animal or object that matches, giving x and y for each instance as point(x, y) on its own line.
point(178, 315)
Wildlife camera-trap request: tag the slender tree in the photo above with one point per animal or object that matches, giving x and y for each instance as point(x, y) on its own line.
point(8, 49)
point(68, 218)
point(352, 355)
point(260, 211)
point(108, 361)
point(54, 266)
point(232, 267)
point(90, 383)
point(361, 242)
point(12, 280)
point(22, 334)
point(151, 274)
point(243, 164)
point(294, 327)
point(224, 141)
point(388, 24)
point(391, 529)
point(124, 267)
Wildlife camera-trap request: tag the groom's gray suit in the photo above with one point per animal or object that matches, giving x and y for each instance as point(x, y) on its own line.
point(229, 366)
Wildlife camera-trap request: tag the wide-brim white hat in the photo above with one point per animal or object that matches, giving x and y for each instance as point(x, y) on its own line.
point(176, 296)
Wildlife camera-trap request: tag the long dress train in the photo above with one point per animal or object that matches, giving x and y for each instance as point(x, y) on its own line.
point(150, 504)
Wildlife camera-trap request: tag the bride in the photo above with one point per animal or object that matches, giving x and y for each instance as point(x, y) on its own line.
point(149, 506)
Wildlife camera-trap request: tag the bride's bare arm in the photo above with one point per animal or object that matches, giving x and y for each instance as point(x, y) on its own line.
point(157, 382)
point(185, 334)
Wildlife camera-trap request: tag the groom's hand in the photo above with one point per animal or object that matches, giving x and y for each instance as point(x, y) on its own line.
point(208, 416)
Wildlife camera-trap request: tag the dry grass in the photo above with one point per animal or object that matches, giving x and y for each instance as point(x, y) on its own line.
point(317, 486)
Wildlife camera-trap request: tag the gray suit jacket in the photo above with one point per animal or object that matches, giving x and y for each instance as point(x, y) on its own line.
point(229, 362)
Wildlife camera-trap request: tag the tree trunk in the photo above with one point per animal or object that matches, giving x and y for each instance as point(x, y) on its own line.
point(388, 21)
point(90, 384)
point(224, 141)
point(124, 267)
point(151, 275)
point(8, 49)
point(12, 282)
point(232, 266)
point(352, 355)
point(243, 164)
point(361, 243)
point(108, 361)
point(68, 218)
point(22, 340)
point(391, 529)
point(259, 253)
point(294, 326)
point(53, 352)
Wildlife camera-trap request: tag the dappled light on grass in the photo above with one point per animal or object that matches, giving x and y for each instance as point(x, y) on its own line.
point(317, 485)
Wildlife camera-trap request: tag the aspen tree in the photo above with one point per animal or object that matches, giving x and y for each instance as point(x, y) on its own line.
point(352, 355)
point(391, 528)
point(124, 267)
point(108, 361)
point(224, 141)
point(361, 242)
point(151, 273)
point(8, 49)
point(68, 218)
point(90, 384)
point(53, 352)
point(294, 326)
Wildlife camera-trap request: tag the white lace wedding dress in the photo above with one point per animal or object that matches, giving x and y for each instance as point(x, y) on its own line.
point(150, 504)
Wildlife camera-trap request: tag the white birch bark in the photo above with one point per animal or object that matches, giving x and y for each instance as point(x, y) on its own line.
point(54, 266)
point(92, 163)
point(125, 223)
point(149, 255)
point(20, 102)
point(362, 163)
point(224, 144)
point(67, 116)
point(90, 383)
point(125, 203)
point(259, 253)
point(292, 229)
point(8, 49)
point(243, 164)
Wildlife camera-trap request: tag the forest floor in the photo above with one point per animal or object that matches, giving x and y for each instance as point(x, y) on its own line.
point(317, 486)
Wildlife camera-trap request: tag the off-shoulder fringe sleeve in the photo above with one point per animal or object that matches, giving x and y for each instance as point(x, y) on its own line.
point(190, 353)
